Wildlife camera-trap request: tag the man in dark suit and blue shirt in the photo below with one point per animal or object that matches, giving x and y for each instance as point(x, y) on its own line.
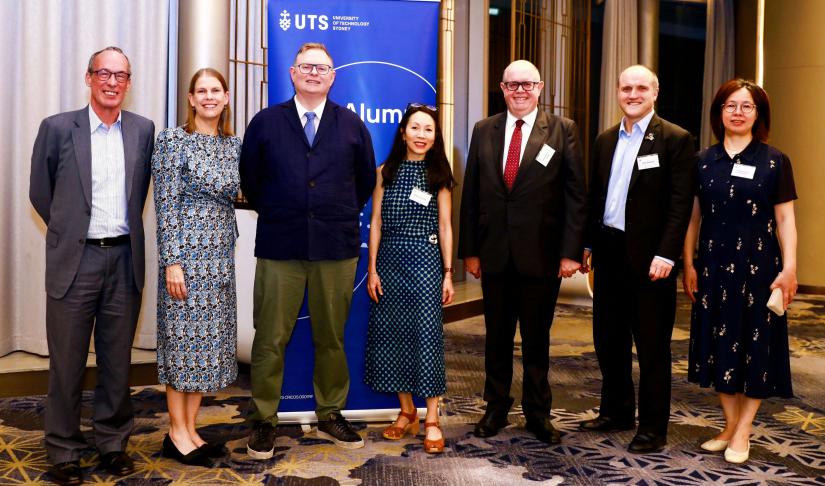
point(641, 194)
point(522, 224)
point(307, 168)
point(89, 179)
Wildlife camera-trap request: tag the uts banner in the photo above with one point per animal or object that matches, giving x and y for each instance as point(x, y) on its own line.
point(385, 54)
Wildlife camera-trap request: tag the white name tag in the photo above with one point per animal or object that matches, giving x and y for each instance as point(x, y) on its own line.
point(648, 161)
point(421, 197)
point(545, 154)
point(743, 171)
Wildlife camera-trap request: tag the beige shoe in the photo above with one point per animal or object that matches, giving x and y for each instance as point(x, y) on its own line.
point(736, 457)
point(715, 445)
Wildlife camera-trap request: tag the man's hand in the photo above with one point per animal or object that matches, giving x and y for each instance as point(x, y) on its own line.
point(585, 267)
point(473, 265)
point(659, 269)
point(567, 267)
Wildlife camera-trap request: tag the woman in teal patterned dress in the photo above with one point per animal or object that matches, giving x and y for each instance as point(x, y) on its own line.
point(195, 171)
point(410, 274)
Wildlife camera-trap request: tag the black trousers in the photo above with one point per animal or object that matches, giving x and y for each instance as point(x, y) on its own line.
point(509, 298)
point(102, 298)
point(628, 307)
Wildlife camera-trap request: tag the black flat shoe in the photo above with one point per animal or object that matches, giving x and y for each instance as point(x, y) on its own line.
point(117, 463)
point(544, 431)
point(647, 442)
point(66, 473)
point(214, 451)
point(490, 424)
point(194, 458)
point(603, 423)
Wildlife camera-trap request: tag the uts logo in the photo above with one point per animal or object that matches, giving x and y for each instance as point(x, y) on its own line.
point(284, 22)
point(303, 21)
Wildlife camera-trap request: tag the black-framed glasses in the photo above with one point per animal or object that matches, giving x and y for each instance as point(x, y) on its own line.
point(747, 108)
point(525, 85)
point(419, 105)
point(105, 74)
point(306, 68)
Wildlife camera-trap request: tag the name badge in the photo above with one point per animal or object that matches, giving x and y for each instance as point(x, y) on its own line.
point(545, 154)
point(648, 161)
point(744, 171)
point(421, 197)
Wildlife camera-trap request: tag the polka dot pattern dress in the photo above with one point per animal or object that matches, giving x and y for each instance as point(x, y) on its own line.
point(405, 340)
point(736, 344)
point(195, 184)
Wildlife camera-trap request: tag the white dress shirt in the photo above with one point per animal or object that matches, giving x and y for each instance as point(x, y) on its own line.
point(109, 215)
point(319, 110)
point(509, 128)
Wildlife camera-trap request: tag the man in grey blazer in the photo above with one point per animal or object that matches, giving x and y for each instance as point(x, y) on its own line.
point(89, 180)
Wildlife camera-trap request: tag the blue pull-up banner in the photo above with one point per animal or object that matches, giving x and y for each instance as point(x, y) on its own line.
point(385, 54)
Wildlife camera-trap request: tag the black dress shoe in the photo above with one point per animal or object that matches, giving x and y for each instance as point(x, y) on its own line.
point(647, 442)
point(214, 451)
point(194, 458)
point(490, 424)
point(117, 463)
point(66, 473)
point(603, 423)
point(543, 430)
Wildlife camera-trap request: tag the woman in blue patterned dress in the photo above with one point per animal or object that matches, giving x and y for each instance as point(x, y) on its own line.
point(410, 274)
point(195, 171)
point(747, 248)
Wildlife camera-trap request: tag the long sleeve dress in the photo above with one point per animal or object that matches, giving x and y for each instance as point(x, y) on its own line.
point(195, 184)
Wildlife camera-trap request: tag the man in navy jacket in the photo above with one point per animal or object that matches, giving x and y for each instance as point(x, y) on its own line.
point(307, 168)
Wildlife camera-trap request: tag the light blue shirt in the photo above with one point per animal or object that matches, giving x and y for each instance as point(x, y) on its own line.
point(624, 158)
point(109, 215)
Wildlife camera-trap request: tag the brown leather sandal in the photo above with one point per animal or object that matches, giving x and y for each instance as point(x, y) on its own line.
point(393, 432)
point(433, 446)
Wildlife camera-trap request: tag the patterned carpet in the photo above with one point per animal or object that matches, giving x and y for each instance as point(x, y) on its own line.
point(788, 446)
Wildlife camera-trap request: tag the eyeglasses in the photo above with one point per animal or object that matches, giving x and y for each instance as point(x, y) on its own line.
point(419, 105)
point(105, 74)
point(525, 85)
point(747, 108)
point(306, 68)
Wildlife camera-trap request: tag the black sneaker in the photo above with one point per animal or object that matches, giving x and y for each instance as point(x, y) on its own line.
point(261, 443)
point(339, 431)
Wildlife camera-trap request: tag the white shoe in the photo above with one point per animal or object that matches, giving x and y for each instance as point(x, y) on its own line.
point(736, 457)
point(715, 445)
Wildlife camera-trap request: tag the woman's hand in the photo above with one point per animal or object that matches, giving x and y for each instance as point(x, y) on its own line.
point(175, 283)
point(786, 280)
point(374, 286)
point(690, 281)
point(447, 291)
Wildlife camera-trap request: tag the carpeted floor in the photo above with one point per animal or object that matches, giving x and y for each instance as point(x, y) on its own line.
point(788, 446)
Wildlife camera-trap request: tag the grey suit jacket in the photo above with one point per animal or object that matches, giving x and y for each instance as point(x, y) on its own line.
point(60, 189)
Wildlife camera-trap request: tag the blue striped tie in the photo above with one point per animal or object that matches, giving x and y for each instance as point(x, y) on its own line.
point(309, 128)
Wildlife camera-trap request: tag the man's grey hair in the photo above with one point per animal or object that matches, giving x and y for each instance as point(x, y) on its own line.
point(91, 66)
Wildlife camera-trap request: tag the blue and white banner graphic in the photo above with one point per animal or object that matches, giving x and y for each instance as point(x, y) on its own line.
point(386, 55)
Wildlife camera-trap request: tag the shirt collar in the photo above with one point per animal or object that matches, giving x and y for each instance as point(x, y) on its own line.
point(319, 110)
point(529, 119)
point(95, 122)
point(642, 124)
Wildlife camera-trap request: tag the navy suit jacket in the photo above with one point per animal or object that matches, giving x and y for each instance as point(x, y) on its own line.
point(60, 190)
point(308, 198)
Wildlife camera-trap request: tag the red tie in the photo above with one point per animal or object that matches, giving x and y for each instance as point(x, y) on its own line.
point(513, 152)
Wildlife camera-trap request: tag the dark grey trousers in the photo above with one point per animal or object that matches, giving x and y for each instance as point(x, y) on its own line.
point(102, 298)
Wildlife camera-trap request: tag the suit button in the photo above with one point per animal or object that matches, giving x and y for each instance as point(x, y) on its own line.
point(81, 241)
point(311, 183)
point(311, 215)
point(308, 154)
point(88, 213)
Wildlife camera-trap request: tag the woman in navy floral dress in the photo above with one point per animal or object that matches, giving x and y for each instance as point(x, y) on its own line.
point(410, 274)
point(747, 248)
point(195, 171)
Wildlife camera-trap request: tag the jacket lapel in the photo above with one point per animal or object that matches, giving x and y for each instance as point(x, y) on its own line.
point(82, 140)
point(654, 131)
point(130, 150)
point(534, 144)
point(497, 148)
point(606, 162)
point(291, 115)
point(326, 121)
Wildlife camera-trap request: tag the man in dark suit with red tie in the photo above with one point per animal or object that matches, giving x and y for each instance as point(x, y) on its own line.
point(522, 223)
point(641, 194)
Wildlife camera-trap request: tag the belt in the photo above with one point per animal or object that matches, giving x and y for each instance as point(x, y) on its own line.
point(611, 231)
point(108, 242)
